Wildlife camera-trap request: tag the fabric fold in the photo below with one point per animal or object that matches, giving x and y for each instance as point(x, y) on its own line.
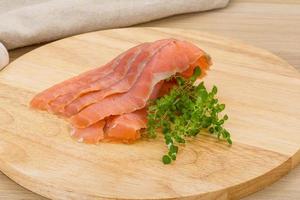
point(32, 21)
point(4, 58)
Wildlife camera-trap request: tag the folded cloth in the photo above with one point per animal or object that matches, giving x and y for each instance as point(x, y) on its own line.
point(4, 59)
point(28, 22)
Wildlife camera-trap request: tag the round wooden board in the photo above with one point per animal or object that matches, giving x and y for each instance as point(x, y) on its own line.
point(261, 91)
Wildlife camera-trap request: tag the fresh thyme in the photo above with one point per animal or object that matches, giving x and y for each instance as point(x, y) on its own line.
point(184, 112)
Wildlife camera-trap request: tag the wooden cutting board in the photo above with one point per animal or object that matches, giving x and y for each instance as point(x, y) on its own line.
point(261, 92)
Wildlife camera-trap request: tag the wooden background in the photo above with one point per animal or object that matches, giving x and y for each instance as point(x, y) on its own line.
point(270, 24)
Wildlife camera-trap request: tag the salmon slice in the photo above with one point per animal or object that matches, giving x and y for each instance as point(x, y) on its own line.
point(41, 101)
point(120, 71)
point(91, 135)
point(131, 123)
point(122, 86)
point(176, 57)
point(126, 128)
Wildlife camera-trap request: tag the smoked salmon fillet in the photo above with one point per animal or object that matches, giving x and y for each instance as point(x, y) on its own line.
point(120, 71)
point(91, 135)
point(109, 103)
point(123, 85)
point(176, 57)
point(80, 83)
point(130, 124)
point(126, 127)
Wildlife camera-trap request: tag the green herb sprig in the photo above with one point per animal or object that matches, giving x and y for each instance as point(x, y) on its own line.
point(184, 112)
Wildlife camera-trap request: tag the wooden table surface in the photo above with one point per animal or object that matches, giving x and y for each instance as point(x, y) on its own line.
point(270, 24)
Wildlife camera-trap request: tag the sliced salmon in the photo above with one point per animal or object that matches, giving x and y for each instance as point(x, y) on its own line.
point(123, 85)
point(109, 103)
point(176, 57)
point(92, 134)
point(78, 83)
point(120, 71)
point(130, 124)
point(126, 127)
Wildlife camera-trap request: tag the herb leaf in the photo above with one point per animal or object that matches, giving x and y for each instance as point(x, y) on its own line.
point(184, 112)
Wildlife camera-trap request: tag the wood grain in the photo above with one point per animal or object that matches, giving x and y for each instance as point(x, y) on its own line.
point(36, 150)
point(236, 21)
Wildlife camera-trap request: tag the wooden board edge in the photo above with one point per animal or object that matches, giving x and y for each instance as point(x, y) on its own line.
point(296, 159)
point(261, 182)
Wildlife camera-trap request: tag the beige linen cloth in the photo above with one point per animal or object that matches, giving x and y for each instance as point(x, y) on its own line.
point(26, 22)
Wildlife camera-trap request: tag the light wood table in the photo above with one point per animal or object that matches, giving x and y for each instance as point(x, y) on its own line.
point(270, 24)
